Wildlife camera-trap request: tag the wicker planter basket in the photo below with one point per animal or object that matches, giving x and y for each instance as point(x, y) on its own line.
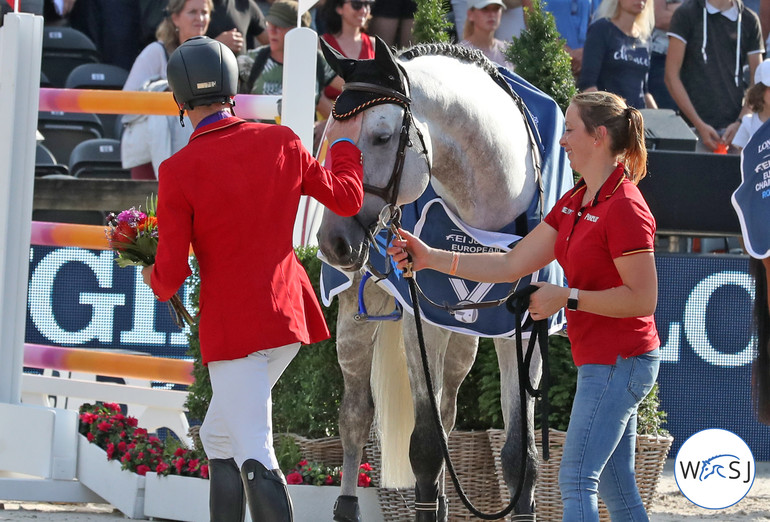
point(475, 467)
point(651, 455)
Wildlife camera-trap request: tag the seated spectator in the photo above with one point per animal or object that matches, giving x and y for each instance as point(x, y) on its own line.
point(616, 56)
point(709, 43)
point(345, 21)
point(393, 20)
point(261, 70)
point(239, 24)
point(758, 100)
point(572, 19)
point(184, 19)
point(482, 20)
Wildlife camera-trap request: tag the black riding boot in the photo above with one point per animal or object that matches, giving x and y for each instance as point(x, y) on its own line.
point(267, 493)
point(226, 498)
point(346, 509)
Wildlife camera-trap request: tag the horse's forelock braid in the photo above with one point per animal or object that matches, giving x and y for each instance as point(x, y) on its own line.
point(460, 52)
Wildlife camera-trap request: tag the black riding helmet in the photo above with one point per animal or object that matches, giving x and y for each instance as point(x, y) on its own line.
point(202, 71)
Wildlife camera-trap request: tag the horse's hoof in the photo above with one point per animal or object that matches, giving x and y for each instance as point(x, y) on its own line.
point(346, 509)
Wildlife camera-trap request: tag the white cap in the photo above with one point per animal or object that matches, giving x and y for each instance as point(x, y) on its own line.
point(762, 74)
point(481, 4)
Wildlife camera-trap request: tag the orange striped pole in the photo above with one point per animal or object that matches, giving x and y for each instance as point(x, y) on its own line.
point(109, 364)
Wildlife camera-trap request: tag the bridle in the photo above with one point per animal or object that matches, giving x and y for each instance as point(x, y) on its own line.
point(390, 215)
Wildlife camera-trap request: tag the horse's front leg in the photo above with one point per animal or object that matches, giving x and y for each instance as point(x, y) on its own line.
point(425, 443)
point(519, 454)
point(354, 353)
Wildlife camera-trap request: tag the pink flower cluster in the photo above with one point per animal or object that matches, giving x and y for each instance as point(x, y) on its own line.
point(314, 474)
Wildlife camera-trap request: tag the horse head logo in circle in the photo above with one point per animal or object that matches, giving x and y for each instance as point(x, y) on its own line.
point(716, 464)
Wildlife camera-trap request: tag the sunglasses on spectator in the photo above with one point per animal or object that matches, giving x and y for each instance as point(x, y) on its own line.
point(357, 5)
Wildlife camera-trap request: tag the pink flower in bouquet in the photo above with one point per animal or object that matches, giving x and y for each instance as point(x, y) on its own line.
point(161, 467)
point(329, 480)
point(204, 471)
point(294, 478)
point(142, 469)
point(180, 452)
point(110, 450)
point(90, 436)
point(112, 406)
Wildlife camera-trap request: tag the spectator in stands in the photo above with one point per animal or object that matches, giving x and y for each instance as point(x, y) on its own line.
point(184, 19)
point(345, 21)
point(261, 70)
point(511, 20)
point(113, 26)
point(616, 55)
point(483, 19)
point(239, 24)
point(709, 44)
point(393, 20)
point(664, 10)
point(572, 19)
point(758, 100)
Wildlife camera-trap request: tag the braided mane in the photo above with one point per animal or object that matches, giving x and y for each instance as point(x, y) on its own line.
point(462, 53)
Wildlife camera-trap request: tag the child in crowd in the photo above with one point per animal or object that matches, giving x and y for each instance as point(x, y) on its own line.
point(758, 100)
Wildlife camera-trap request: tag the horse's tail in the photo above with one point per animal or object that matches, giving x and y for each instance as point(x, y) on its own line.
point(393, 405)
point(761, 368)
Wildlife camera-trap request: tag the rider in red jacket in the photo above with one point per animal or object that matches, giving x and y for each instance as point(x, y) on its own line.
point(233, 193)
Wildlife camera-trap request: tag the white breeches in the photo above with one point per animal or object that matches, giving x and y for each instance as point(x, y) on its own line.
point(239, 422)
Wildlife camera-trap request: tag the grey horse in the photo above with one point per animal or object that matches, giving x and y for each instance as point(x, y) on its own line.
point(438, 109)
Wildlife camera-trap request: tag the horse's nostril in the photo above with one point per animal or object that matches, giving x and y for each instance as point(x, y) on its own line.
point(341, 248)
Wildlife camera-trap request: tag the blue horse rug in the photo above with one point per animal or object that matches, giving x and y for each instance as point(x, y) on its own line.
point(434, 223)
point(752, 197)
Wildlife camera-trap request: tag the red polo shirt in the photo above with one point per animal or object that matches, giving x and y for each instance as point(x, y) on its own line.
point(616, 223)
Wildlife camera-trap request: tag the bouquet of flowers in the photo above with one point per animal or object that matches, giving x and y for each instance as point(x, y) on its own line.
point(133, 235)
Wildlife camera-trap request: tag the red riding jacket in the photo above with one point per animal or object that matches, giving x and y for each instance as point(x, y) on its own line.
point(233, 193)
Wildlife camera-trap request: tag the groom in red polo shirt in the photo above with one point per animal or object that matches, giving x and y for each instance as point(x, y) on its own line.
point(233, 193)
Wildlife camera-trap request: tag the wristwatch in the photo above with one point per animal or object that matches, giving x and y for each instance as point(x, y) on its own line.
point(572, 300)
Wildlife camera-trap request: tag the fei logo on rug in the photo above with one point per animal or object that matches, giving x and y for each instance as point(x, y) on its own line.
point(714, 469)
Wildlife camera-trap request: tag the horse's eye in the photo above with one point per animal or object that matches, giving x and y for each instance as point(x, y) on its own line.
point(382, 139)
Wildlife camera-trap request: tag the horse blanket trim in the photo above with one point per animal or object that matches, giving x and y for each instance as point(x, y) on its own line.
point(449, 232)
point(751, 199)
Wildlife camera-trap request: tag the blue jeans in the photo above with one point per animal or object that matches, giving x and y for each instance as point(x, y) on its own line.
point(601, 439)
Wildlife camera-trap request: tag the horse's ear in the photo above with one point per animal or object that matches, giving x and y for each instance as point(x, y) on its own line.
point(383, 55)
point(341, 65)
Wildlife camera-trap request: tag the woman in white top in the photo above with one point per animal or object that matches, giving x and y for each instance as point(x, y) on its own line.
point(479, 30)
point(184, 19)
